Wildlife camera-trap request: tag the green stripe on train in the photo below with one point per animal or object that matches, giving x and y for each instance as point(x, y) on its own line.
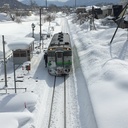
point(65, 63)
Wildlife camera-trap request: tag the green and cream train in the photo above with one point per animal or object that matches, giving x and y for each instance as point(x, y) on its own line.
point(59, 55)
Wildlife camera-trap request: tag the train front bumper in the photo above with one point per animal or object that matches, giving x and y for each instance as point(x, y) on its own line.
point(59, 71)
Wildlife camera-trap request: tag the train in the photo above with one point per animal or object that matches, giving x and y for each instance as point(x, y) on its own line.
point(59, 55)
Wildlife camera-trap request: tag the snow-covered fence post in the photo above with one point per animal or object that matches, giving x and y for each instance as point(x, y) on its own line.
point(25, 105)
point(14, 75)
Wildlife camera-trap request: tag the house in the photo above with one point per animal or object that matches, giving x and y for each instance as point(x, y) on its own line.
point(80, 10)
point(22, 49)
point(107, 10)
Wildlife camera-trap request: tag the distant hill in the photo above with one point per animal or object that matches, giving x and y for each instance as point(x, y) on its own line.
point(39, 2)
point(13, 4)
point(26, 3)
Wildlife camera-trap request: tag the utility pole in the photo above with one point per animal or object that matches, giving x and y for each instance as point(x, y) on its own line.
point(46, 4)
point(40, 26)
point(75, 4)
point(5, 71)
point(40, 29)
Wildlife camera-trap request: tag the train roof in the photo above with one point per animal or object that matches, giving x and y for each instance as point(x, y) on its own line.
point(60, 39)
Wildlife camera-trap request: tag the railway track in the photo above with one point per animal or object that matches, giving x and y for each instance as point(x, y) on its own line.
point(57, 115)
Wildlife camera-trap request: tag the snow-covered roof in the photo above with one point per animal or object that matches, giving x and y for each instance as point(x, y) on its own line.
point(20, 43)
point(90, 7)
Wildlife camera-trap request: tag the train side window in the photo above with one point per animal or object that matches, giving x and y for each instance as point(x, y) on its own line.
point(23, 53)
point(28, 51)
point(15, 54)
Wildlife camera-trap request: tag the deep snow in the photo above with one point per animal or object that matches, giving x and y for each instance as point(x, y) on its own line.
point(97, 87)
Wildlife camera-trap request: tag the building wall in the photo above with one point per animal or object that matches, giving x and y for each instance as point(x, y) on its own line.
point(21, 56)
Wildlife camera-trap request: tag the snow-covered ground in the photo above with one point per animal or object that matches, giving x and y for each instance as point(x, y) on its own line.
point(97, 87)
point(104, 68)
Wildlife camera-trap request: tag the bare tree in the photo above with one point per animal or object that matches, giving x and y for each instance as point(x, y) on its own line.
point(33, 4)
point(49, 18)
point(124, 2)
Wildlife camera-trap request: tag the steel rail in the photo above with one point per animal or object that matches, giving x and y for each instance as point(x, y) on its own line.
point(64, 101)
point(52, 102)
point(49, 123)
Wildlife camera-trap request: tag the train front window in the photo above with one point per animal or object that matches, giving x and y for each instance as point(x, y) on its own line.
point(59, 54)
point(67, 53)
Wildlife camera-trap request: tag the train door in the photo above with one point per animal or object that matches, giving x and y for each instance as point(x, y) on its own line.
point(59, 57)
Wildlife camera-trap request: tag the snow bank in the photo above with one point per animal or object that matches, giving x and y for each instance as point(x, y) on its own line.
point(16, 109)
point(4, 17)
point(105, 70)
point(14, 119)
point(17, 102)
point(87, 116)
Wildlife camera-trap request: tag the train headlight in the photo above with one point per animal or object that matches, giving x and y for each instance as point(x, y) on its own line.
point(67, 70)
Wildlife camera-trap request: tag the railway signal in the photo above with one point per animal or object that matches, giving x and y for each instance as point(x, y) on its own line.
point(33, 28)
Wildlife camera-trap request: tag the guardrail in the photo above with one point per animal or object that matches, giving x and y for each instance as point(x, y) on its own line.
point(6, 90)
